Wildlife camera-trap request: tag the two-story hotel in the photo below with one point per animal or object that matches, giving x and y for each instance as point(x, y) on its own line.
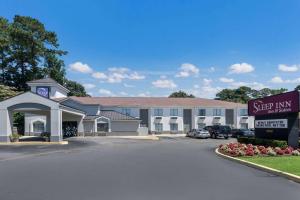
point(48, 109)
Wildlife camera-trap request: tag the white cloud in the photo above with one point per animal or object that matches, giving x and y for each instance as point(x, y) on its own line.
point(186, 70)
point(196, 86)
point(226, 80)
point(164, 84)
point(118, 69)
point(212, 69)
point(207, 81)
point(99, 75)
point(128, 85)
point(254, 85)
point(144, 94)
point(105, 92)
point(80, 67)
point(240, 68)
point(135, 76)
point(88, 86)
point(124, 93)
point(278, 79)
point(286, 68)
point(117, 75)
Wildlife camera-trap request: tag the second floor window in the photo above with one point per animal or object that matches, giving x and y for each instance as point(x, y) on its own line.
point(217, 112)
point(174, 112)
point(201, 112)
point(243, 112)
point(126, 111)
point(158, 112)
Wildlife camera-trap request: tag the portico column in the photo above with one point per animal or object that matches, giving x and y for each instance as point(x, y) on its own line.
point(56, 125)
point(80, 127)
point(5, 125)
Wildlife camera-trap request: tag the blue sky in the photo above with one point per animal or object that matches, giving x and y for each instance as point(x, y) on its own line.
point(151, 48)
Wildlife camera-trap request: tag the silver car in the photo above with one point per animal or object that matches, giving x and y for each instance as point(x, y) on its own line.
point(198, 133)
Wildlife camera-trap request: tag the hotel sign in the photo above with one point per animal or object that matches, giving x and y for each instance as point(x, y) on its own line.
point(281, 103)
point(271, 123)
point(43, 91)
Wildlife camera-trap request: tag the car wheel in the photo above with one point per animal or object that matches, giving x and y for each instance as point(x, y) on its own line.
point(226, 137)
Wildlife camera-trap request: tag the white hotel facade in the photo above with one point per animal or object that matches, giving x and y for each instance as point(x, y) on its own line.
point(48, 109)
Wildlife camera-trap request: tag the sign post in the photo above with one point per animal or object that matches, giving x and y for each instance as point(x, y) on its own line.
point(277, 117)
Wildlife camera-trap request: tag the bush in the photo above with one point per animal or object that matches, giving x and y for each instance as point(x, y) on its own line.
point(264, 142)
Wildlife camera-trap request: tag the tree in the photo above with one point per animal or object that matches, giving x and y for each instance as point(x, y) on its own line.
point(7, 92)
point(244, 94)
point(75, 88)
point(181, 94)
point(29, 51)
point(297, 88)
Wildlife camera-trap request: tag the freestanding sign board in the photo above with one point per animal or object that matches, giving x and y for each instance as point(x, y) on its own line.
point(276, 117)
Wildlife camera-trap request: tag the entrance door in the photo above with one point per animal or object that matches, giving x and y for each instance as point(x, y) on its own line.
point(102, 127)
point(144, 117)
point(69, 129)
point(229, 117)
point(187, 120)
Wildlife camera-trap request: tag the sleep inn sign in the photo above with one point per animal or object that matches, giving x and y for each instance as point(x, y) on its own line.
point(277, 117)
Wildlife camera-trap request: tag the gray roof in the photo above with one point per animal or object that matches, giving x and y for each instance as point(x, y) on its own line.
point(46, 81)
point(116, 116)
point(91, 117)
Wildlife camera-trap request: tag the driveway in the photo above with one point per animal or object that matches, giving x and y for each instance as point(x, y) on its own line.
point(112, 169)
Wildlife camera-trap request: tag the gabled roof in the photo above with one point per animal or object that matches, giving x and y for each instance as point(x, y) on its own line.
point(155, 101)
point(116, 116)
point(46, 81)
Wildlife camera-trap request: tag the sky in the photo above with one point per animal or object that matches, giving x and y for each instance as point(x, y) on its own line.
point(154, 47)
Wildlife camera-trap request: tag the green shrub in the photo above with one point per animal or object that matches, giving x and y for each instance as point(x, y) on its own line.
point(264, 142)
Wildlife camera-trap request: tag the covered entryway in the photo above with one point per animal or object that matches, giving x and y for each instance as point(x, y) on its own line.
point(36, 105)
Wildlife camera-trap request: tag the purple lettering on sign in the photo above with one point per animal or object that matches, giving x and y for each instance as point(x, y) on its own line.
point(281, 103)
point(43, 91)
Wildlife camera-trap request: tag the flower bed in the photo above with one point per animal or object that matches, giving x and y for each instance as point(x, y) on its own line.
point(240, 149)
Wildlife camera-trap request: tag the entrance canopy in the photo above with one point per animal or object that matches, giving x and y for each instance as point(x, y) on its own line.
point(30, 102)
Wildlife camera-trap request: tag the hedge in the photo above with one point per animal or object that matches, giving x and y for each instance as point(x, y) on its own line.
point(264, 142)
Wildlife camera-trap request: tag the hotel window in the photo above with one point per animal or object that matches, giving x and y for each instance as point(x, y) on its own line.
point(201, 112)
point(158, 112)
point(217, 112)
point(38, 127)
point(201, 125)
point(243, 112)
point(126, 111)
point(174, 112)
point(174, 127)
point(158, 127)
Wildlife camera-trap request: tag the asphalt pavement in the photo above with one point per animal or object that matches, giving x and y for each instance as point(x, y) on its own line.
point(127, 169)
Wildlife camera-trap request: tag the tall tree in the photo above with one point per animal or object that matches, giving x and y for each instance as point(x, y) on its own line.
point(75, 88)
point(29, 51)
point(297, 88)
point(181, 94)
point(244, 94)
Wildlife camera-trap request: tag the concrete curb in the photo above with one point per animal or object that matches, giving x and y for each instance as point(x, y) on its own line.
point(32, 143)
point(135, 137)
point(260, 167)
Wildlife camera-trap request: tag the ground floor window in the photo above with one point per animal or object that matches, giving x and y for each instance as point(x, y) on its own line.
point(201, 125)
point(102, 127)
point(174, 127)
point(244, 125)
point(38, 126)
point(158, 127)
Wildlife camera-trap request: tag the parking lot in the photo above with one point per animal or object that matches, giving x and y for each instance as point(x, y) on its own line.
point(106, 168)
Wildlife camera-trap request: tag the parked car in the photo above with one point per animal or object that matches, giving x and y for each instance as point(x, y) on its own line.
point(219, 131)
point(198, 133)
point(242, 132)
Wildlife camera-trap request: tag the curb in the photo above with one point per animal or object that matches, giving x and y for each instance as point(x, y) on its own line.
point(287, 175)
point(135, 137)
point(32, 143)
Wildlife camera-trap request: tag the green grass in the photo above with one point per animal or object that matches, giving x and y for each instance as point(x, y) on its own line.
point(290, 164)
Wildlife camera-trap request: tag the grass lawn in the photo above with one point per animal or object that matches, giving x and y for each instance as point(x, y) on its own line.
point(290, 164)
